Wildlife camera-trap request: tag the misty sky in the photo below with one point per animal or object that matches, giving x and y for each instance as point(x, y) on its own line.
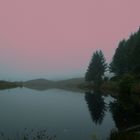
point(55, 39)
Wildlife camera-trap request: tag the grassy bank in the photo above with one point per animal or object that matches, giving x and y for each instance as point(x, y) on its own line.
point(125, 84)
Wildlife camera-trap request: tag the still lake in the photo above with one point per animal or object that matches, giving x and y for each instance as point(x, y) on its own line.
point(68, 115)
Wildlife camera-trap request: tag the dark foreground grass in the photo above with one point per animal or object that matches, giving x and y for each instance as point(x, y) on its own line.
point(115, 135)
point(29, 134)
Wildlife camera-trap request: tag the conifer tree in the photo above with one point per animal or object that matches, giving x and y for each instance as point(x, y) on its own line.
point(96, 68)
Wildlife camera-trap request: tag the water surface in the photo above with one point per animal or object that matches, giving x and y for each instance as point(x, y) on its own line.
point(69, 115)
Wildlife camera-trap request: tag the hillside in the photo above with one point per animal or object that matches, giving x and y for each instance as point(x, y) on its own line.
point(74, 82)
point(8, 85)
point(38, 84)
point(43, 84)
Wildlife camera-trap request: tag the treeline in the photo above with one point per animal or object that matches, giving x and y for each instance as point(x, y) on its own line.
point(127, 56)
point(125, 65)
point(8, 85)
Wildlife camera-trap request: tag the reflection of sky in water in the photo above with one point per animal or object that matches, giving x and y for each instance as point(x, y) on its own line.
point(64, 113)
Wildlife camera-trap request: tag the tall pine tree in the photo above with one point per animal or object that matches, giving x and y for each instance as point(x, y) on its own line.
point(96, 68)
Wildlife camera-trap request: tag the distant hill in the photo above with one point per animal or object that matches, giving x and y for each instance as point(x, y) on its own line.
point(38, 84)
point(38, 81)
point(43, 84)
point(71, 82)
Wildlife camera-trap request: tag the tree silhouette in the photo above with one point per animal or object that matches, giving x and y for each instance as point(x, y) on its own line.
point(118, 63)
point(126, 58)
point(96, 68)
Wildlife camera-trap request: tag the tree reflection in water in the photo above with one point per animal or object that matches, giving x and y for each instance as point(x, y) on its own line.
point(126, 114)
point(96, 105)
point(125, 111)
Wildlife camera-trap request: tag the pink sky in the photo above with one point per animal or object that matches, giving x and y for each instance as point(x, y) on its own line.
point(56, 38)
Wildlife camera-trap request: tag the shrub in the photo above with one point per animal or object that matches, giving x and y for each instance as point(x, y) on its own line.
point(115, 78)
point(136, 88)
point(126, 83)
